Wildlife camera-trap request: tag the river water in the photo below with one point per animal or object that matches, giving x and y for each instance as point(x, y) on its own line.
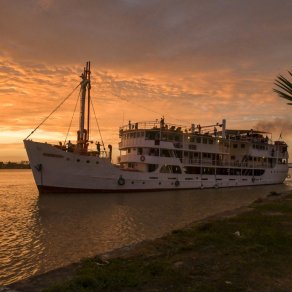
point(40, 233)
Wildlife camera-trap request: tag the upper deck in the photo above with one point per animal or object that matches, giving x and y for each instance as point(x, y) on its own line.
point(159, 130)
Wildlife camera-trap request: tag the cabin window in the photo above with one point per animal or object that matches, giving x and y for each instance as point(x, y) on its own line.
point(232, 157)
point(234, 171)
point(164, 136)
point(198, 140)
point(222, 171)
point(129, 150)
point(170, 169)
point(192, 170)
point(205, 140)
point(259, 172)
point(235, 145)
point(208, 170)
point(154, 151)
point(242, 145)
point(152, 135)
point(165, 153)
point(152, 167)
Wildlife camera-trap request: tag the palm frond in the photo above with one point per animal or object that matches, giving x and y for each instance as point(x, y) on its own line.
point(284, 89)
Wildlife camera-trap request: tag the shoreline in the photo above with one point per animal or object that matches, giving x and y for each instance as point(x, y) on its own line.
point(138, 251)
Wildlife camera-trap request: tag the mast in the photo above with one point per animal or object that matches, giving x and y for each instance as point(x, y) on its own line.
point(83, 134)
point(88, 100)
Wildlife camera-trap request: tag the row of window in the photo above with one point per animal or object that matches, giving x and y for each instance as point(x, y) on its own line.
point(166, 136)
point(223, 171)
point(259, 147)
point(133, 135)
point(203, 170)
point(155, 135)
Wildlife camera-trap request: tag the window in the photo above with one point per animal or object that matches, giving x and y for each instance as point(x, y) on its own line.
point(192, 170)
point(170, 169)
point(152, 167)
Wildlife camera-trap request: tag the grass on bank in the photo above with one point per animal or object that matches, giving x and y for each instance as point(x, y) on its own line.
point(252, 251)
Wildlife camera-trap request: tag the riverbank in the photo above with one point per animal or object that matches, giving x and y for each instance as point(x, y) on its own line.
point(245, 249)
point(14, 165)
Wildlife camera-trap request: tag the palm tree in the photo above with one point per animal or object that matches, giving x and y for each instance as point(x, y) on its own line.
point(284, 87)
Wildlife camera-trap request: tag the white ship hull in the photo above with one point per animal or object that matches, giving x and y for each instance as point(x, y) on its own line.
point(55, 170)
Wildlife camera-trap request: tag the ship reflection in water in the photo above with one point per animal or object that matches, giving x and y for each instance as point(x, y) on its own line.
point(40, 233)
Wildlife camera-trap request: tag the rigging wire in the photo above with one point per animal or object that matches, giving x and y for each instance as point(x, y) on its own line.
point(147, 108)
point(153, 111)
point(53, 111)
point(72, 117)
point(97, 125)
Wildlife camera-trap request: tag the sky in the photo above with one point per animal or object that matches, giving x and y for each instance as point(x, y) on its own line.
point(191, 61)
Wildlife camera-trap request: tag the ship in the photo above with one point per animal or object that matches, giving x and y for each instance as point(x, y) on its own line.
point(157, 156)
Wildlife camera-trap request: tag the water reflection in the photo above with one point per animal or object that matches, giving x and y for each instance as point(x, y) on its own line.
point(21, 231)
point(44, 232)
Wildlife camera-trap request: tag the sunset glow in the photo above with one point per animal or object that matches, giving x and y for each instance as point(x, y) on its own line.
point(189, 61)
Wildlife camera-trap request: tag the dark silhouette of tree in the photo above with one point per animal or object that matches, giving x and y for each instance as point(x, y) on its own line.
point(284, 89)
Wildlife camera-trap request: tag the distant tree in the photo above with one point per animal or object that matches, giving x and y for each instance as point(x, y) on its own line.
point(284, 89)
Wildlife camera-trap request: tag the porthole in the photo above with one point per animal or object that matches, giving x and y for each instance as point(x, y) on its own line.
point(87, 161)
point(67, 158)
point(132, 182)
point(78, 160)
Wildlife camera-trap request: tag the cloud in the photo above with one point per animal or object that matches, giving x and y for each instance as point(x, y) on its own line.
point(191, 61)
point(150, 35)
